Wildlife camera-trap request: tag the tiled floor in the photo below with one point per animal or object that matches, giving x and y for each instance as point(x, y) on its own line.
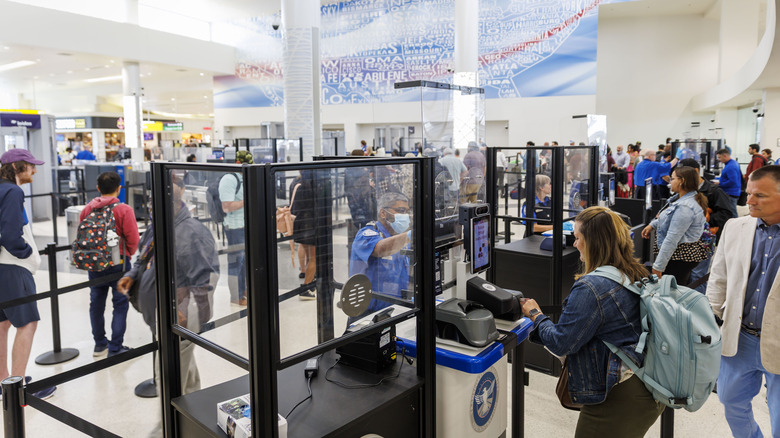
point(106, 398)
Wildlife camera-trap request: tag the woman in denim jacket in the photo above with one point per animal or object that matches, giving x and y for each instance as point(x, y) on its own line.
point(615, 402)
point(681, 220)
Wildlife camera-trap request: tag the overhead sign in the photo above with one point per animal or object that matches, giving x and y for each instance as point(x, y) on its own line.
point(150, 126)
point(70, 123)
point(29, 121)
point(173, 126)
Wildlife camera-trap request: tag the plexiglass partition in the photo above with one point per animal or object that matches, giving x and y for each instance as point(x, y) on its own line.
point(277, 278)
point(533, 176)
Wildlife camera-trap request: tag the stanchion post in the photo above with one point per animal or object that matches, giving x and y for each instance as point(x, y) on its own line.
point(13, 412)
point(58, 355)
point(667, 423)
point(54, 217)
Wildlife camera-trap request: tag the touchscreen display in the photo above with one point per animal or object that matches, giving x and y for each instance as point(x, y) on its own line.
point(480, 249)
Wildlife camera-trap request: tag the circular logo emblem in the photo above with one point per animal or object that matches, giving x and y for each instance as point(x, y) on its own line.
point(483, 400)
point(489, 287)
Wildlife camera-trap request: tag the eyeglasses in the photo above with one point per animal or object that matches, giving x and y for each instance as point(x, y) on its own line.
point(400, 210)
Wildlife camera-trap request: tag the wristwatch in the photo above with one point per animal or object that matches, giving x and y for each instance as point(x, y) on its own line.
point(534, 312)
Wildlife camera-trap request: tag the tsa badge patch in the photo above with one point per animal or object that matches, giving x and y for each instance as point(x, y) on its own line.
point(483, 400)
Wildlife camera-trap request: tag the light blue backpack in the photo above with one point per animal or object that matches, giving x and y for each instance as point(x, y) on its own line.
point(680, 340)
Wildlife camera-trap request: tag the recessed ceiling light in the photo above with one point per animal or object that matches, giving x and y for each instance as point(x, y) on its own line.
point(17, 64)
point(70, 72)
point(36, 77)
point(87, 69)
point(173, 98)
point(104, 79)
point(37, 59)
point(202, 74)
point(111, 61)
point(6, 48)
point(106, 66)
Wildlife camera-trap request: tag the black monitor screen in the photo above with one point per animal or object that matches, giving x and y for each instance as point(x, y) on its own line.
point(649, 194)
point(480, 244)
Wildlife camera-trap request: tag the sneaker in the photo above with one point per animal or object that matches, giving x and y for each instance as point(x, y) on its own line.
point(240, 302)
point(302, 275)
point(308, 295)
point(45, 393)
point(120, 351)
point(100, 351)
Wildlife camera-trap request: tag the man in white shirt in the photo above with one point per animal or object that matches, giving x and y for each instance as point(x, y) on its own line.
point(622, 159)
point(455, 167)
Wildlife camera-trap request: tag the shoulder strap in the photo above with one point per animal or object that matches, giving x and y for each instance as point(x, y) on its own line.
point(238, 182)
point(613, 274)
point(295, 190)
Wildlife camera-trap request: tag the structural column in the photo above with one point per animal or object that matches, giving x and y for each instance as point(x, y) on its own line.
point(131, 95)
point(301, 27)
point(468, 112)
point(770, 124)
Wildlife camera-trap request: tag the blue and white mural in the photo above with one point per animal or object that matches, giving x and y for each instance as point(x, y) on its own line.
point(527, 48)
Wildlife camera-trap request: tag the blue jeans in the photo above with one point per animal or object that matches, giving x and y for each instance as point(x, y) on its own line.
point(236, 265)
point(97, 308)
point(700, 271)
point(740, 381)
point(734, 200)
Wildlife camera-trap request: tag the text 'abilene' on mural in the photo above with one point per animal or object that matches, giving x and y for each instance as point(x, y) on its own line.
point(527, 48)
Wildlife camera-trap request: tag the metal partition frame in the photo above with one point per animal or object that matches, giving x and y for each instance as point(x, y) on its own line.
point(557, 176)
point(263, 311)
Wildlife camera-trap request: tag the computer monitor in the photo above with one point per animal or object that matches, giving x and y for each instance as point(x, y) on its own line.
point(480, 244)
point(649, 194)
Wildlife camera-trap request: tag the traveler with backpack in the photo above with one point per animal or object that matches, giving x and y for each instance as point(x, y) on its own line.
point(231, 195)
point(614, 401)
point(19, 260)
point(103, 216)
point(743, 290)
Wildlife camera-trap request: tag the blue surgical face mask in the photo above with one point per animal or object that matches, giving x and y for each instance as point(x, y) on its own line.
point(401, 223)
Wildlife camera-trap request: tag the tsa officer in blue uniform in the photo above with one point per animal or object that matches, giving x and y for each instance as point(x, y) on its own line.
point(376, 251)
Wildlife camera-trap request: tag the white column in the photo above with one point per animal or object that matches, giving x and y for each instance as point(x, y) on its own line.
point(131, 91)
point(770, 129)
point(739, 23)
point(131, 11)
point(725, 125)
point(301, 27)
point(466, 108)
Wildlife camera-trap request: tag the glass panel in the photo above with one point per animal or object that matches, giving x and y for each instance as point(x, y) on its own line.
point(209, 258)
point(262, 150)
point(576, 165)
point(369, 234)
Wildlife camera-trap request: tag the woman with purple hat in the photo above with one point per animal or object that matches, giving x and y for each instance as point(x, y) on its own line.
point(19, 260)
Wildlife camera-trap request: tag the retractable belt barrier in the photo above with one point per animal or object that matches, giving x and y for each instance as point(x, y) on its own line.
point(13, 413)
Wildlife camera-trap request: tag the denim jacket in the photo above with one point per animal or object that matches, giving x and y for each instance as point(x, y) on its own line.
point(597, 309)
point(681, 220)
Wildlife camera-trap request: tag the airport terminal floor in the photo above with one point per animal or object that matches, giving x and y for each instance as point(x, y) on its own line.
point(106, 398)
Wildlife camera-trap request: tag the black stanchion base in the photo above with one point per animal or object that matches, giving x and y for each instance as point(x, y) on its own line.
point(146, 389)
point(55, 357)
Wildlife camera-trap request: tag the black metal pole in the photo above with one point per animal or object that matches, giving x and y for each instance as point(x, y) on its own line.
point(426, 344)
point(13, 413)
point(54, 217)
point(667, 423)
point(57, 355)
point(518, 391)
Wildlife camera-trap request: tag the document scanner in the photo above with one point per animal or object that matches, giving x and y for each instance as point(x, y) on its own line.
point(467, 322)
point(503, 303)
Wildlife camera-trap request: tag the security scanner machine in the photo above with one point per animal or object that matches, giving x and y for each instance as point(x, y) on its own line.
point(552, 188)
point(300, 347)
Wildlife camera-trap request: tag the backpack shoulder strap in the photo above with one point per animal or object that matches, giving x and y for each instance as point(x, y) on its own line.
point(615, 275)
point(295, 190)
point(238, 182)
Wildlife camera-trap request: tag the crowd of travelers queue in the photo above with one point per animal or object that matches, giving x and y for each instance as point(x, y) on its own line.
point(739, 278)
